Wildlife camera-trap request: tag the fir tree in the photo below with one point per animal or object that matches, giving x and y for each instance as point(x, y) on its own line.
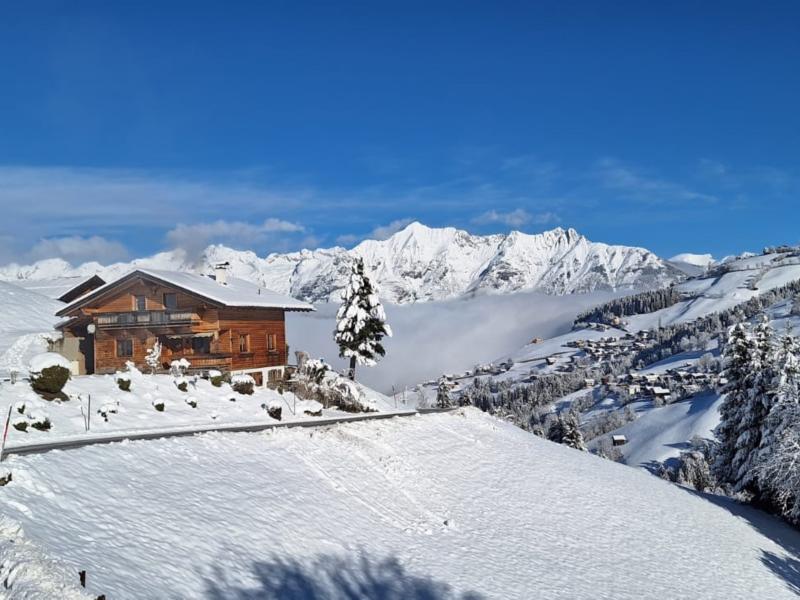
point(571, 432)
point(360, 321)
point(738, 354)
point(757, 407)
point(443, 399)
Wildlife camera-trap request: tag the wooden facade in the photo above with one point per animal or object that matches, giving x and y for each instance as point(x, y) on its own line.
point(125, 319)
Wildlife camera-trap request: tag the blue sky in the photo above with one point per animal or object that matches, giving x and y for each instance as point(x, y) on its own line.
point(127, 128)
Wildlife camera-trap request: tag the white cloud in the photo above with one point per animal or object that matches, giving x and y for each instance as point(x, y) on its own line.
point(383, 232)
point(196, 236)
point(431, 338)
point(76, 249)
point(614, 175)
point(515, 218)
point(347, 239)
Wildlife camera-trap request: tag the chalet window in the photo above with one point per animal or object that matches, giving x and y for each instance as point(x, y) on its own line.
point(139, 303)
point(201, 345)
point(272, 342)
point(125, 347)
point(170, 301)
point(244, 343)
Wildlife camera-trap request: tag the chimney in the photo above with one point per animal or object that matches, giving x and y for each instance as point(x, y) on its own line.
point(221, 273)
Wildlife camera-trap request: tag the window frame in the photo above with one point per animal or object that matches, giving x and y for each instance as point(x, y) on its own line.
point(272, 343)
point(118, 343)
point(166, 304)
point(246, 338)
point(136, 302)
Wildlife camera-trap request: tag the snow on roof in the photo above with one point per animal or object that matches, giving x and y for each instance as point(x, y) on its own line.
point(235, 293)
point(53, 288)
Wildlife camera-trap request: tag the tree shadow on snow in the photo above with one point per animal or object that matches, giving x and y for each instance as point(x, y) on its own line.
point(333, 578)
point(787, 537)
point(785, 567)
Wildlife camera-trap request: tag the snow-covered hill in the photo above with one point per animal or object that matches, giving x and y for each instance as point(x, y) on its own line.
point(418, 263)
point(26, 318)
point(449, 506)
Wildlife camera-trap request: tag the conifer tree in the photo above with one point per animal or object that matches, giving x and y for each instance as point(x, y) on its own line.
point(360, 321)
point(443, 399)
point(571, 432)
point(738, 355)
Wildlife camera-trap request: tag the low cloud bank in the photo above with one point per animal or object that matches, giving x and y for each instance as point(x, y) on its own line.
point(450, 336)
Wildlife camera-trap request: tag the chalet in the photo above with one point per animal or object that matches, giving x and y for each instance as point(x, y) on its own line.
point(215, 322)
point(619, 440)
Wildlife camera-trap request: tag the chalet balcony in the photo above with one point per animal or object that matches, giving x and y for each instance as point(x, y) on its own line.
point(201, 362)
point(145, 318)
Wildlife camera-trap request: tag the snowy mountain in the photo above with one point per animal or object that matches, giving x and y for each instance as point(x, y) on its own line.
point(418, 263)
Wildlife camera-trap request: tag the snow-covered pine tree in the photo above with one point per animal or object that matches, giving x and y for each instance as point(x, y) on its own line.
point(571, 432)
point(778, 465)
point(759, 399)
point(784, 392)
point(738, 356)
point(361, 321)
point(443, 399)
point(153, 357)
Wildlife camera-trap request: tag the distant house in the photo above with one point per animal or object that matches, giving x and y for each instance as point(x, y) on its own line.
point(551, 360)
point(619, 440)
point(215, 322)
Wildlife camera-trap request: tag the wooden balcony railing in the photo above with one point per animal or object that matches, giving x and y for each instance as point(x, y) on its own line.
point(145, 318)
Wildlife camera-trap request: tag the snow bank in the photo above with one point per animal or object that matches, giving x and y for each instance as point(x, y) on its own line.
point(27, 572)
point(42, 361)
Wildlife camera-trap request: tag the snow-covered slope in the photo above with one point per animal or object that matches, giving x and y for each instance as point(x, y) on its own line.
point(415, 264)
point(438, 506)
point(25, 318)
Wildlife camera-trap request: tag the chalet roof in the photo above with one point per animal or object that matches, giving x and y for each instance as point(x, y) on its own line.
point(65, 289)
point(235, 293)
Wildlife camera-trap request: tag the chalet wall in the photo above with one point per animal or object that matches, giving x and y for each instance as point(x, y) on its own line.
point(105, 348)
point(123, 300)
point(257, 323)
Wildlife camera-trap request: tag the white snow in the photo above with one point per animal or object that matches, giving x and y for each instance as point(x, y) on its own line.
point(26, 321)
point(698, 260)
point(135, 409)
point(45, 360)
point(436, 506)
point(235, 292)
point(664, 432)
point(27, 572)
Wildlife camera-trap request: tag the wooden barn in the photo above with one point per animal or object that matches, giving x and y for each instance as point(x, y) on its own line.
point(214, 321)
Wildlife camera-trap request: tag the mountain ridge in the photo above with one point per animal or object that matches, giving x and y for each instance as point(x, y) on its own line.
point(417, 263)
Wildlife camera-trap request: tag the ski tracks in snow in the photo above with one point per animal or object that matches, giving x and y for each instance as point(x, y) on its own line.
point(385, 478)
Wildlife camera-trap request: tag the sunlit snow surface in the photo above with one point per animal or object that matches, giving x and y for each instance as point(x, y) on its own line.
point(434, 506)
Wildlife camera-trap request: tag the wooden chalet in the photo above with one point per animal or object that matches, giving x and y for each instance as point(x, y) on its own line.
point(215, 322)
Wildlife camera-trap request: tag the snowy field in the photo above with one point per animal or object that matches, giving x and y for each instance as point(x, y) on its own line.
point(441, 506)
point(432, 338)
point(202, 405)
